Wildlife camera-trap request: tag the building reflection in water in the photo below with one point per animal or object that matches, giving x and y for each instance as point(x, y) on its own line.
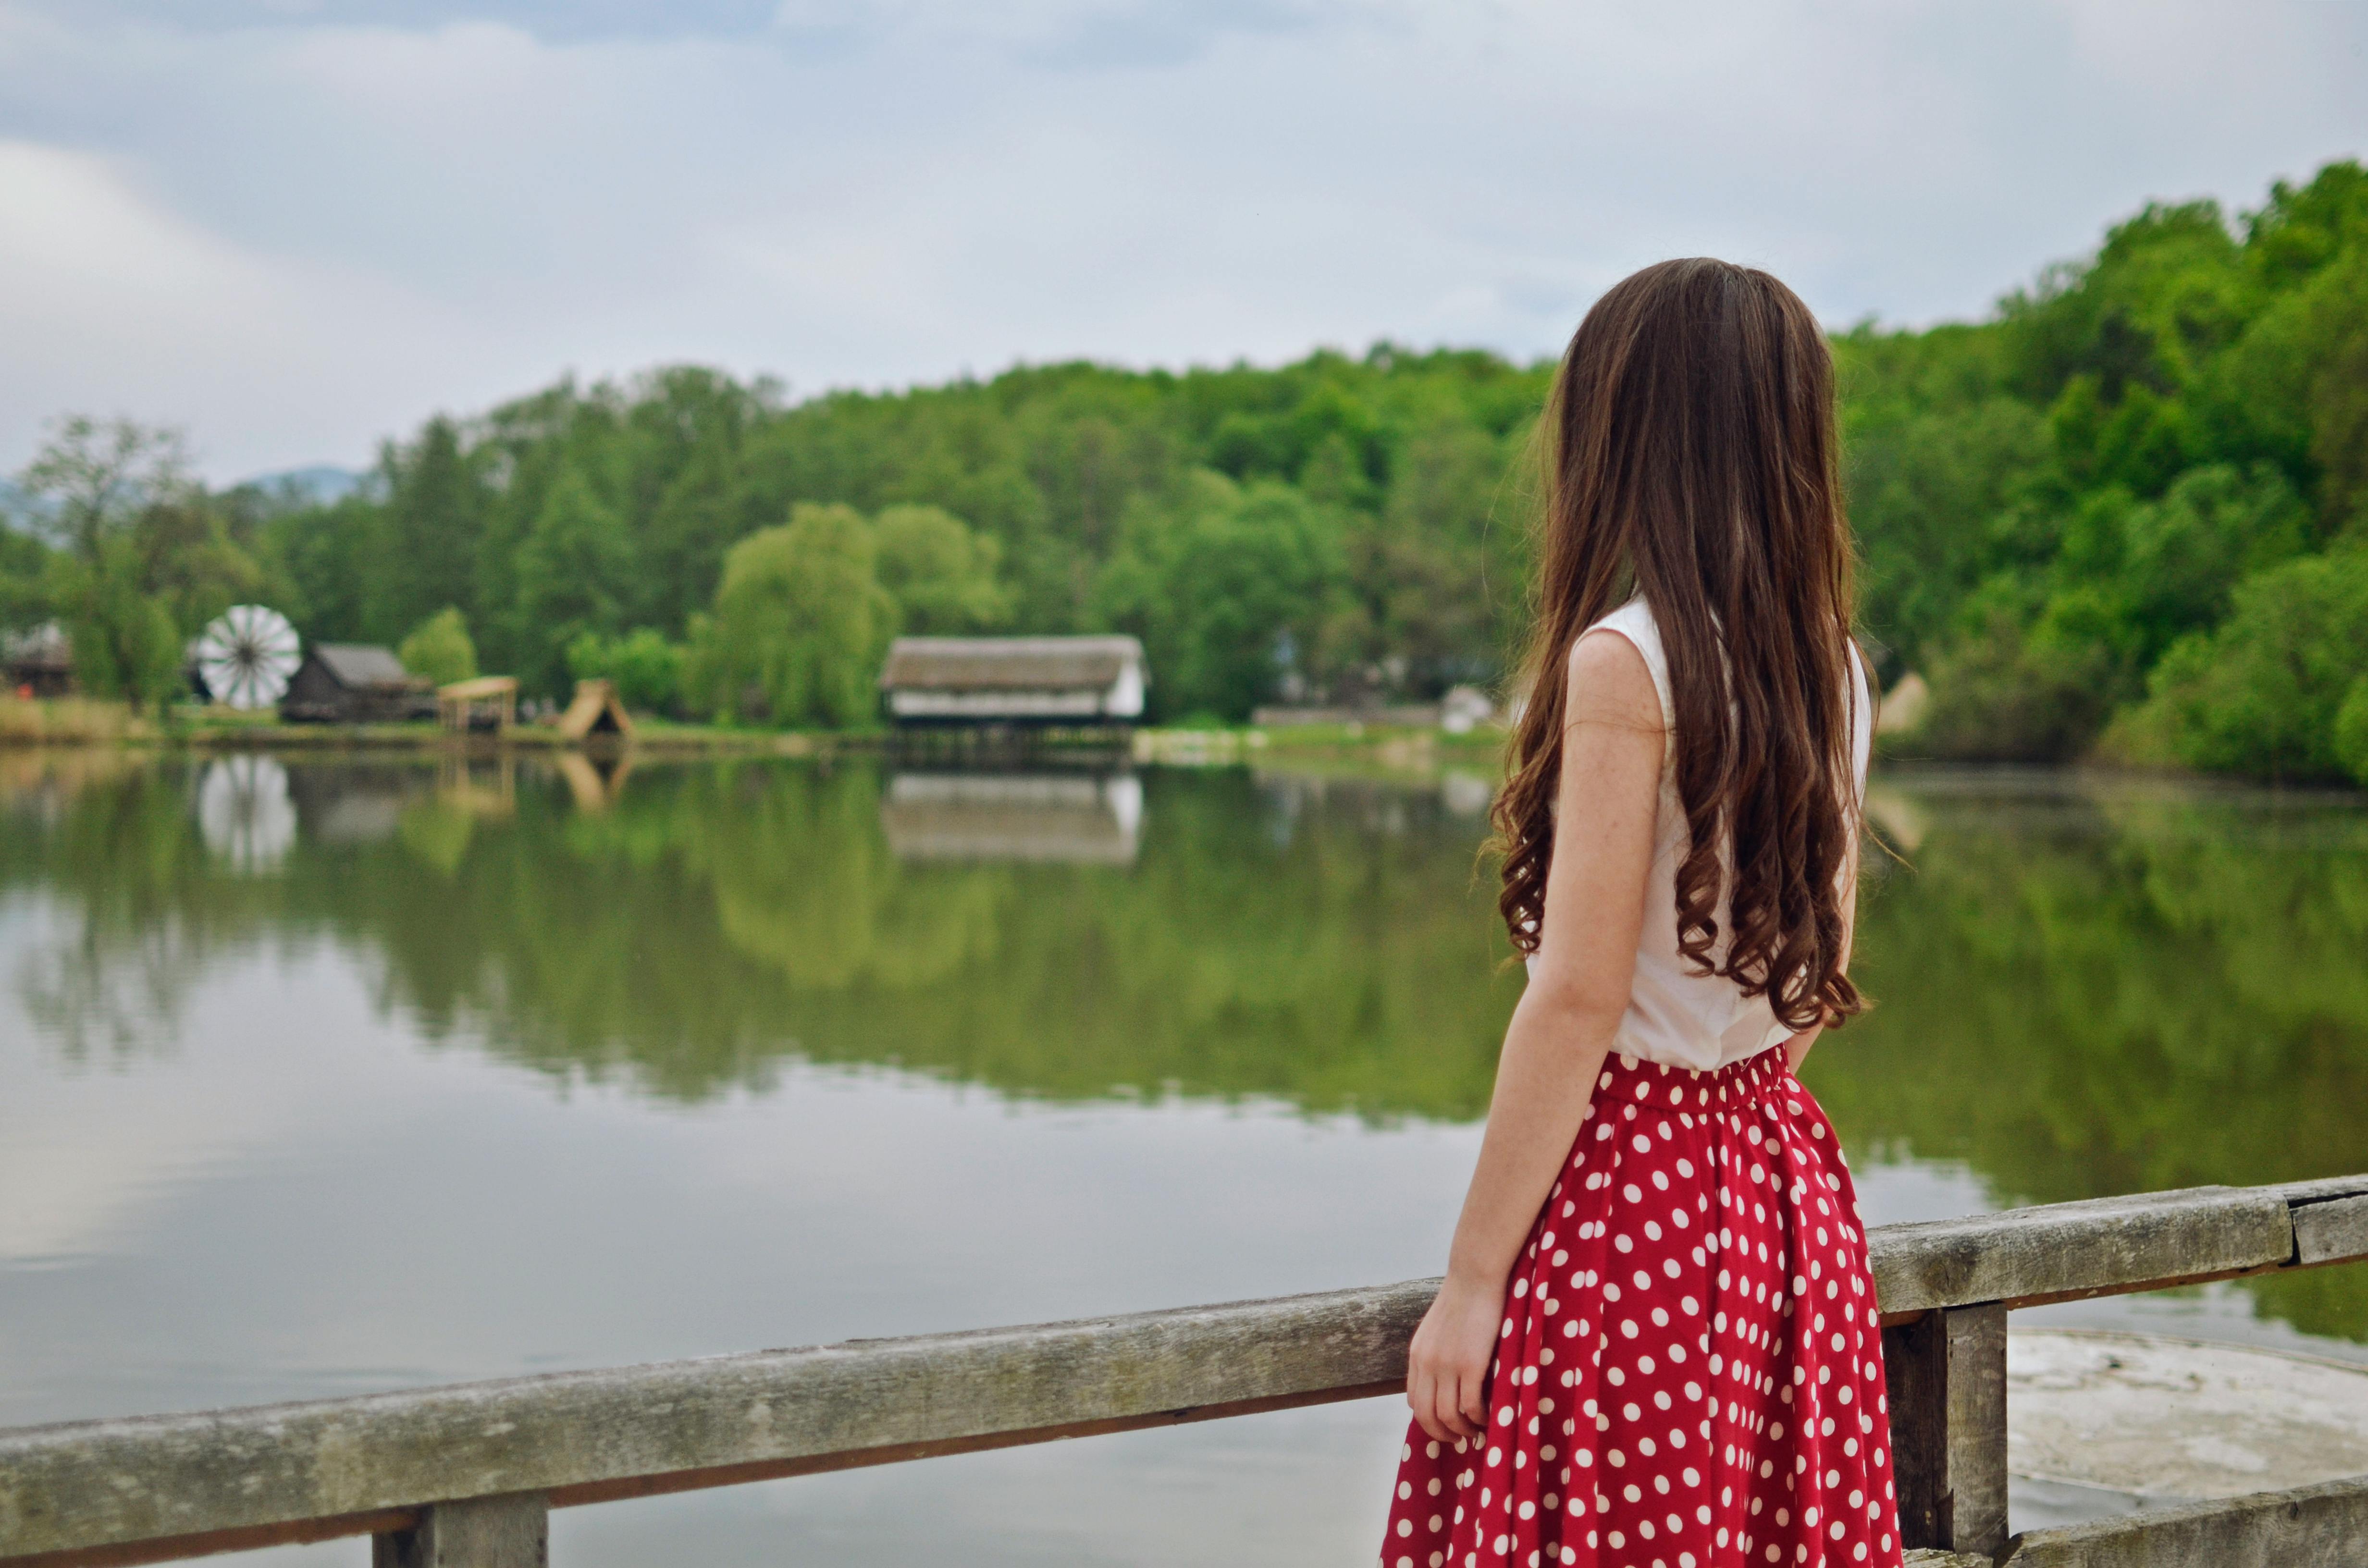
point(594, 783)
point(1080, 818)
point(479, 786)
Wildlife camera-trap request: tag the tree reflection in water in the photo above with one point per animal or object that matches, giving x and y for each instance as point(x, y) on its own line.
point(2083, 988)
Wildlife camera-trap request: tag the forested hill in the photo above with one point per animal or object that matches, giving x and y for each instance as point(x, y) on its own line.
point(2126, 510)
point(2134, 504)
point(1354, 512)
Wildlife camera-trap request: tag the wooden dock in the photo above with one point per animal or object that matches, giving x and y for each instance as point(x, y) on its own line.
point(465, 1476)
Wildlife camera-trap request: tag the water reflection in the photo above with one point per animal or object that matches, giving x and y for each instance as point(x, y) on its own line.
point(245, 813)
point(1071, 818)
point(2082, 988)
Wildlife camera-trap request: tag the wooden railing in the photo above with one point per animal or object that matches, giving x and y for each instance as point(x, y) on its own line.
point(467, 1474)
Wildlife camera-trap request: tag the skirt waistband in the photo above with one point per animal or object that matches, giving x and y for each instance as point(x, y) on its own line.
point(1632, 1080)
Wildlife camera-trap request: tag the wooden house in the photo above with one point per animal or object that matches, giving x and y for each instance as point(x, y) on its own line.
point(1046, 681)
point(355, 683)
point(39, 661)
point(596, 711)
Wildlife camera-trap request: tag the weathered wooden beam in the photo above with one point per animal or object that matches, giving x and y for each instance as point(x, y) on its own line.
point(2330, 1220)
point(2059, 1251)
point(2310, 1526)
point(2321, 1191)
point(512, 1531)
point(1945, 1374)
point(101, 1483)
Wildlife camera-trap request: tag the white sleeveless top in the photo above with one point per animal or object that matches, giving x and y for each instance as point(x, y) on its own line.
point(1676, 1013)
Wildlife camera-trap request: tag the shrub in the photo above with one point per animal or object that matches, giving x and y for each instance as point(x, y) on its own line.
point(2011, 694)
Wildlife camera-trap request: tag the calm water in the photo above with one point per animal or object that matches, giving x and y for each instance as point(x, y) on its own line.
point(319, 1078)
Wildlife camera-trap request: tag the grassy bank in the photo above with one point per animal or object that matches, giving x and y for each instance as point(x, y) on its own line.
point(73, 721)
point(69, 721)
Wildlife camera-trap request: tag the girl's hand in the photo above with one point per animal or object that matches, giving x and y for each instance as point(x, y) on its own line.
point(1447, 1366)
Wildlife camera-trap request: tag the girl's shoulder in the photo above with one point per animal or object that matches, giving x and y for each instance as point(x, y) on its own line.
point(1634, 623)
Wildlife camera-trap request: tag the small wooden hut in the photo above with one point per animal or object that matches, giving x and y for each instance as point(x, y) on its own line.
point(488, 702)
point(1058, 681)
point(39, 662)
point(355, 683)
point(596, 711)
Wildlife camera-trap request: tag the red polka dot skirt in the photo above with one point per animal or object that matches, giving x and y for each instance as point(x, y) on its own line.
point(1690, 1373)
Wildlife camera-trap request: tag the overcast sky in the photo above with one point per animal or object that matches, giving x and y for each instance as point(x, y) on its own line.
point(296, 227)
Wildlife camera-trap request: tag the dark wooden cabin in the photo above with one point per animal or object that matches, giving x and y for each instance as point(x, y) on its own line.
point(38, 663)
point(355, 683)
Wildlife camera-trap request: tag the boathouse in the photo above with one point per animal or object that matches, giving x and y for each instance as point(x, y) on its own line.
point(1014, 680)
point(355, 683)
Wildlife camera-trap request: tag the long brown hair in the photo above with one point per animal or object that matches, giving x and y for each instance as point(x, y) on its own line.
point(1691, 458)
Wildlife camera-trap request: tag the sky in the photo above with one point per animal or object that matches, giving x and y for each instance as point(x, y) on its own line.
point(298, 227)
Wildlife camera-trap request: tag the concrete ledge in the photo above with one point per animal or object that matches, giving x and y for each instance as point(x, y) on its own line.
point(2310, 1526)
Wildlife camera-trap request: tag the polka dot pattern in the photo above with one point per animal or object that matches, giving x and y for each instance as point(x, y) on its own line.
point(1690, 1371)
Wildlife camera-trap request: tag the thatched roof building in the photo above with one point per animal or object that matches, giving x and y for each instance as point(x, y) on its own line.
point(482, 702)
point(596, 711)
point(1015, 680)
point(355, 683)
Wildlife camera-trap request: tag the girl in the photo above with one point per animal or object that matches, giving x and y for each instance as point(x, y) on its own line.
point(1657, 1344)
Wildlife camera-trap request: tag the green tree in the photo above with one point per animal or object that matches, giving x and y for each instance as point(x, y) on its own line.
point(941, 575)
point(25, 578)
point(325, 555)
point(574, 569)
point(92, 478)
point(187, 560)
point(800, 622)
point(1228, 586)
point(125, 642)
point(428, 540)
point(439, 648)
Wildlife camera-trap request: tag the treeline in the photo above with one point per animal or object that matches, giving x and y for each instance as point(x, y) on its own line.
point(2125, 511)
point(1331, 527)
point(2131, 510)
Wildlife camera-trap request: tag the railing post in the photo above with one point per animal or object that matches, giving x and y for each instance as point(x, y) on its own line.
point(1946, 1377)
point(510, 1531)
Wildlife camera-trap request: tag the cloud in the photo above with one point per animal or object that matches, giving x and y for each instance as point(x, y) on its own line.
point(296, 231)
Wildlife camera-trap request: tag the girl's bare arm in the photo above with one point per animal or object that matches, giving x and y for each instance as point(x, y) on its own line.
point(1564, 1025)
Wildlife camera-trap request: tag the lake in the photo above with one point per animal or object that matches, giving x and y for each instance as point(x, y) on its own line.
point(325, 1077)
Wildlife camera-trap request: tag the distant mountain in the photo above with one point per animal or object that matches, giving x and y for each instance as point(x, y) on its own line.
point(317, 485)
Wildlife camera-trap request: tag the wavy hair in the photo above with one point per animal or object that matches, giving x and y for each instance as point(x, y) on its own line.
point(1691, 458)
